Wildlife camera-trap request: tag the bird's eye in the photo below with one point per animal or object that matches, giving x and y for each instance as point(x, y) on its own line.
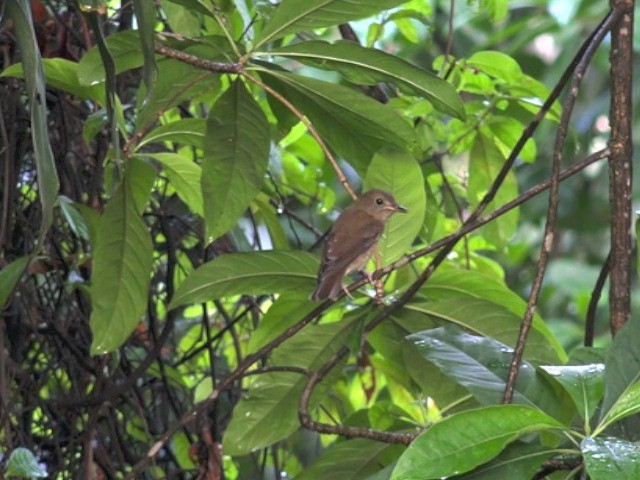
point(379, 201)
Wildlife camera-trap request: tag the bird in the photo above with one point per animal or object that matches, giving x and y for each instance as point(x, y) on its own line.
point(351, 240)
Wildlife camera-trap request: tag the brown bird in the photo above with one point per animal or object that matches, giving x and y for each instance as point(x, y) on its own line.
point(352, 239)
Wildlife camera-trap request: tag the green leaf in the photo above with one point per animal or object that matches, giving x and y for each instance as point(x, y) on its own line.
point(369, 66)
point(481, 365)
point(121, 276)
point(465, 440)
point(146, 19)
point(485, 161)
point(269, 412)
point(355, 125)
point(251, 273)
point(10, 276)
point(23, 463)
point(584, 383)
point(486, 318)
point(627, 404)
point(74, 217)
point(184, 175)
point(296, 15)
point(187, 131)
point(611, 459)
point(236, 158)
point(351, 460)
point(505, 133)
point(398, 173)
point(20, 13)
point(63, 74)
point(126, 51)
point(497, 64)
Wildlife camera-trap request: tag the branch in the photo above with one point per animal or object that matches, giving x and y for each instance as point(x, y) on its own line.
point(590, 320)
point(620, 163)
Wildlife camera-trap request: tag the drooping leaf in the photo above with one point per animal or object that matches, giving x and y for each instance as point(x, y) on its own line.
point(74, 217)
point(399, 173)
point(611, 458)
point(467, 439)
point(122, 263)
point(251, 273)
point(236, 158)
point(368, 66)
point(187, 131)
point(295, 15)
point(584, 383)
point(146, 18)
point(20, 13)
point(355, 125)
point(184, 174)
point(10, 276)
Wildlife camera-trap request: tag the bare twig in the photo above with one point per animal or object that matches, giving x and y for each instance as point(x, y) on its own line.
point(590, 321)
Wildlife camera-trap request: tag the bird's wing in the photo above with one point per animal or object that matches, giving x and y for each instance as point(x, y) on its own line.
point(353, 235)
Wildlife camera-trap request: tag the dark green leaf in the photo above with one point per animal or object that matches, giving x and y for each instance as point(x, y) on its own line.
point(126, 51)
point(122, 263)
point(465, 440)
point(368, 66)
point(74, 217)
point(355, 125)
point(295, 15)
point(251, 273)
point(188, 131)
point(145, 12)
point(627, 404)
point(399, 173)
point(9, 277)
point(611, 459)
point(236, 158)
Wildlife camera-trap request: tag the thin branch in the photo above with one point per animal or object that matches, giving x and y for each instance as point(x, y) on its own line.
point(552, 212)
point(590, 321)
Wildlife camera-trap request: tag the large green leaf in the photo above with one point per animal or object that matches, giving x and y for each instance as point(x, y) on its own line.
point(122, 261)
point(184, 174)
point(63, 74)
point(252, 273)
point(146, 19)
point(611, 459)
point(486, 318)
point(355, 125)
point(296, 15)
point(584, 383)
point(368, 66)
point(23, 463)
point(351, 460)
point(235, 160)
point(9, 277)
point(20, 13)
point(485, 161)
point(269, 412)
point(187, 131)
point(126, 51)
point(398, 172)
point(465, 440)
point(481, 365)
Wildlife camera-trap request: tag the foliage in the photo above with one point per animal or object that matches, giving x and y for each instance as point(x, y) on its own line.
point(157, 305)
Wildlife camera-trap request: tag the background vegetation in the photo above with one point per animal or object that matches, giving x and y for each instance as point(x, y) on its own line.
point(168, 172)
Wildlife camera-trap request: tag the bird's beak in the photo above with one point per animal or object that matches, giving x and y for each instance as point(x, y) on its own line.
point(398, 208)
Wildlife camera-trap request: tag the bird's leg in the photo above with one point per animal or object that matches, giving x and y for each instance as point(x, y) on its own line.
point(346, 291)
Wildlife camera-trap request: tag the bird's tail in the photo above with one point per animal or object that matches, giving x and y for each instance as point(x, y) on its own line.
point(329, 285)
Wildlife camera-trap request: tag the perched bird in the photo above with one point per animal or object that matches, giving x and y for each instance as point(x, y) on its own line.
point(352, 239)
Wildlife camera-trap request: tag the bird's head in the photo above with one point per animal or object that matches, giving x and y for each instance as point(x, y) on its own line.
point(379, 204)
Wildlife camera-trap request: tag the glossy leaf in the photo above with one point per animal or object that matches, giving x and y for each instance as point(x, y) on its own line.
point(295, 15)
point(356, 126)
point(122, 263)
point(251, 273)
point(465, 440)
point(398, 172)
point(23, 463)
point(184, 175)
point(368, 66)
point(74, 218)
point(497, 64)
point(188, 131)
point(611, 459)
point(481, 365)
point(10, 276)
point(236, 158)
point(47, 176)
point(627, 404)
point(126, 52)
point(584, 383)
point(351, 460)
